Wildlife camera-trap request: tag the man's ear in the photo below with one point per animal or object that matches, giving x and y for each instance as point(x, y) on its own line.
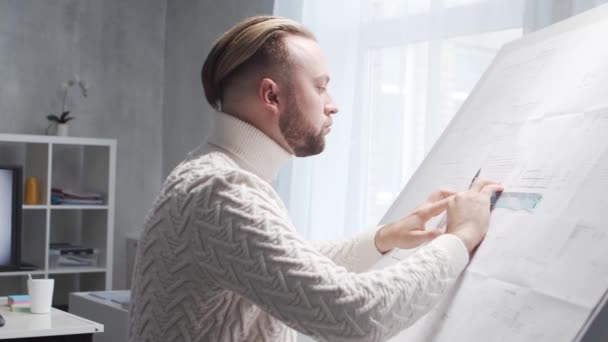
point(268, 93)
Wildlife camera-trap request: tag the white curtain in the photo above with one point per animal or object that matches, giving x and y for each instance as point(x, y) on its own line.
point(400, 71)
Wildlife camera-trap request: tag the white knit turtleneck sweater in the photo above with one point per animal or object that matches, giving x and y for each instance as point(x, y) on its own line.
point(219, 260)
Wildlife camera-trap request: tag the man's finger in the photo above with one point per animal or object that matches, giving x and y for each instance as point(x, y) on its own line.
point(441, 194)
point(489, 189)
point(427, 211)
point(479, 183)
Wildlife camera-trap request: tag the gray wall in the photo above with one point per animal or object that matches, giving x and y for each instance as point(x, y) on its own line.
point(142, 59)
point(192, 27)
point(115, 45)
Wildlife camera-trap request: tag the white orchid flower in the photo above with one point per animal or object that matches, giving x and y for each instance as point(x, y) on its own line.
point(84, 88)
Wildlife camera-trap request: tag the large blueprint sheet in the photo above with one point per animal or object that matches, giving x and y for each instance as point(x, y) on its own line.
point(538, 122)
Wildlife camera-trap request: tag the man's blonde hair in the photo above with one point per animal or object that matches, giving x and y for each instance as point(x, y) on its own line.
point(255, 43)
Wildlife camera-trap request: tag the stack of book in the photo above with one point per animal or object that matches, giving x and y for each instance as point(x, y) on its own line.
point(19, 303)
point(68, 255)
point(59, 196)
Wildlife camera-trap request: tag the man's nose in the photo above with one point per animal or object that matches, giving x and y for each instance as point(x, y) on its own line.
point(331, 108)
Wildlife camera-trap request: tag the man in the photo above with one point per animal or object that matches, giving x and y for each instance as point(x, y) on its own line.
point(219, 259)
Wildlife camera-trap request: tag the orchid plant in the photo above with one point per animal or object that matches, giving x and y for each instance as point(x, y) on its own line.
point(65, 117)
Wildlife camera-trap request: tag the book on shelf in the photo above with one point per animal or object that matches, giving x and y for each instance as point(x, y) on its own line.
point(76, 202)
point(68, 248)
point(60, 196)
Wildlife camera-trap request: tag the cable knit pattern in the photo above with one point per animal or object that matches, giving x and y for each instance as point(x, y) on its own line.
point(357, 254)
point(219, 260)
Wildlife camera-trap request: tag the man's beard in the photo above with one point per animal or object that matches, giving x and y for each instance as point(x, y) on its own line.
point(299, 135)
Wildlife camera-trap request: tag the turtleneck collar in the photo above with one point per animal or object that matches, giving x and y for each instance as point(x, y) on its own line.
point(254, 151)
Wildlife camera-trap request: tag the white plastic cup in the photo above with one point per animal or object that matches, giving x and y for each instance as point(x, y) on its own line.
point(41, 295)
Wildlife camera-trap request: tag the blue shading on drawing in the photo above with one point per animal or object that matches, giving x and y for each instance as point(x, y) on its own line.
point(517, 200)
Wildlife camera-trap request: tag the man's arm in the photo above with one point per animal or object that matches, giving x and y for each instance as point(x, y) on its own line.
point(357, 254)
point(244, 241)
point(361, 252)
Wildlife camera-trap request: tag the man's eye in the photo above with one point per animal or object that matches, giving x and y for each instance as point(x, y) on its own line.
point(322, 88)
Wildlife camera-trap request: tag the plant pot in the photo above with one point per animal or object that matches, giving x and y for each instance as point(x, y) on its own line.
point(62, 130)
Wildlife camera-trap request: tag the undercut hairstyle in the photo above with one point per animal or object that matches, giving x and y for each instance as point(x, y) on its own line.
point(254, 44)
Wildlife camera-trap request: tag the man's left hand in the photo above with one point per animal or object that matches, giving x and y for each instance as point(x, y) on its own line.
point(409, 231)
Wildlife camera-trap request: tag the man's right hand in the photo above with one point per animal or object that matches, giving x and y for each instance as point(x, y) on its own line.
point(469, 212)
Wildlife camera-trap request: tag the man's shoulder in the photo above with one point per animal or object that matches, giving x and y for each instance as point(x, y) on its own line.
point(201, 187)
point(211, 170)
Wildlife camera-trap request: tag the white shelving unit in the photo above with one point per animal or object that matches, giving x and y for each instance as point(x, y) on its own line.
point(70, 163)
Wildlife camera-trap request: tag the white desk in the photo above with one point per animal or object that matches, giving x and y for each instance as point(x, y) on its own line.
point(40, 326)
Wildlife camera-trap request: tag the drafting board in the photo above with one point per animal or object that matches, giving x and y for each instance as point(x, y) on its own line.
point(538, 122)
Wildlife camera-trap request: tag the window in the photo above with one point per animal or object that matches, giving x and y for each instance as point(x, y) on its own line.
point(400, 71)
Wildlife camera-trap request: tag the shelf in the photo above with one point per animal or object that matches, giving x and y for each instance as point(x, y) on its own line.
point(34, 206)
point(62, 270)
point(65, 207)
point(84, 164)
point(78, 207)
point(51, 139)
point(67, 270)
point(21, 273)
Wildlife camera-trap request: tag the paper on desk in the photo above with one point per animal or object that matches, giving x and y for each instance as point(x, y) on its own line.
point(122, 297)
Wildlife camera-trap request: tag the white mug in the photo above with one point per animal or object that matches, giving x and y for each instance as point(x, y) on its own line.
point(41, 295)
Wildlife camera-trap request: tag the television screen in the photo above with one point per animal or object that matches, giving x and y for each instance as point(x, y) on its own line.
point(6, 215)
